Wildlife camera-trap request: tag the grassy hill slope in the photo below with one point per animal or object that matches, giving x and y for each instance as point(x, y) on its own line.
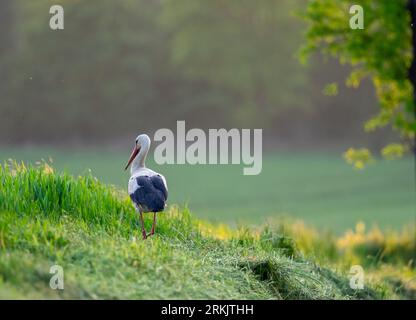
point(92, 231)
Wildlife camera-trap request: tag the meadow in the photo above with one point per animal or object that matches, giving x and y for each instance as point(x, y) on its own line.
point(319, 188)
point(91, 231)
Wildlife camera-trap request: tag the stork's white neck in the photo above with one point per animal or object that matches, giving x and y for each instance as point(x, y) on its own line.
point(139, 162)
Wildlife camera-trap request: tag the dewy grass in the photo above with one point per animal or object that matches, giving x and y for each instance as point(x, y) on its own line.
point(91, 230)
point(29, 190)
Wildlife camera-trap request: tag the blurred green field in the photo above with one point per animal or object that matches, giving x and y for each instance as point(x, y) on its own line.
point(320, 188)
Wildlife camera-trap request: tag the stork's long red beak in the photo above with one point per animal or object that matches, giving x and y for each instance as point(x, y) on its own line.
point(132, 156)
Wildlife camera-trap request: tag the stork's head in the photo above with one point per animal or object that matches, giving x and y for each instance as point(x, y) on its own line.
point(142, 141)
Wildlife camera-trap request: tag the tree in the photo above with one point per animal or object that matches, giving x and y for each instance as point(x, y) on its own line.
point(382, 51)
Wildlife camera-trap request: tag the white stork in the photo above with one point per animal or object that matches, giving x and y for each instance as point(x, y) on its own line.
point(147, 189)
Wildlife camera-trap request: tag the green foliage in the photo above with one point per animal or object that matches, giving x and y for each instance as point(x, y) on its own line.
point(358, 157)
point(44, 220)
point(381, 51)
point(394, 151)
point(331, 89)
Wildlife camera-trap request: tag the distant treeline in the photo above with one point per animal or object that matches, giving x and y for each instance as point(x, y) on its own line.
point(125, 66)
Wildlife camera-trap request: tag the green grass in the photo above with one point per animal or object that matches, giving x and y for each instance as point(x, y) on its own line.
point(91, 230)
point(318, 188)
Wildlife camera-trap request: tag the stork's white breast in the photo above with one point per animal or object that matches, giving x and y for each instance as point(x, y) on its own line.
point(133, 186)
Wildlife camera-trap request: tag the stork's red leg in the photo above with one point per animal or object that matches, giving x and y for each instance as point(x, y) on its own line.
point(154, 224)
point(143, 229)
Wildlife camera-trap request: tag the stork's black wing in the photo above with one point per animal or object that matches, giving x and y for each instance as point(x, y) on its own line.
point(160, 185)
point(150, 194)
